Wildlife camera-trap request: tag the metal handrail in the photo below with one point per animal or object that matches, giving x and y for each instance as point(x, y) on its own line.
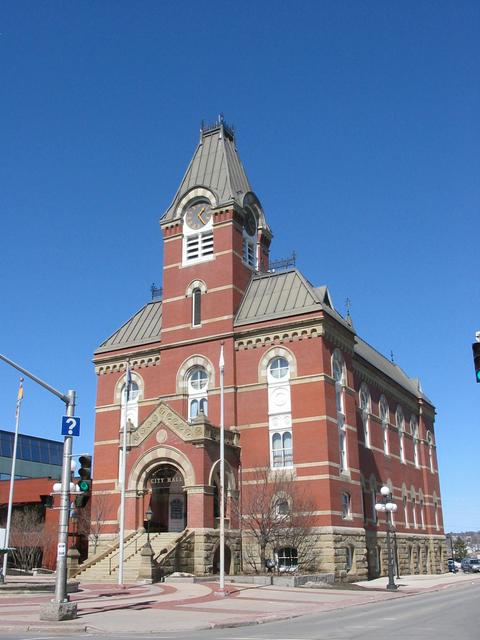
point(134, 541)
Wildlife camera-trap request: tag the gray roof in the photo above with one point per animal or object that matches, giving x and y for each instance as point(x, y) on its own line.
point(216, 166)
point(390, 369)
point(276, 295)
point(142, 328)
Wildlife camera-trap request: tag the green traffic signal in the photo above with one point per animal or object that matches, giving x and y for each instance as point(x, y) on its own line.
point(84, 485)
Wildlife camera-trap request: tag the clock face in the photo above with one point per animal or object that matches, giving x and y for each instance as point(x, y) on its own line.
point(197, 215)
point(250, 223)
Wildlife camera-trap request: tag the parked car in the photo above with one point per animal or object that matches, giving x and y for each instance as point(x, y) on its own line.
point(453, 565)
point(471, 565)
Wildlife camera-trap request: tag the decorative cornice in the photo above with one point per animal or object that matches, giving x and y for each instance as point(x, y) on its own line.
point(276, 336)
point(136, 362)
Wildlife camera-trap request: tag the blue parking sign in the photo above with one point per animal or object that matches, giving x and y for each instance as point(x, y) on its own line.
point(70, 426)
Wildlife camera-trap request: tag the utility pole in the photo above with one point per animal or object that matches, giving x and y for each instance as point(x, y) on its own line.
point(59, 608)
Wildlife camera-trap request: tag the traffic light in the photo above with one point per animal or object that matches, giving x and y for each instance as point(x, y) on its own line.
point(476, 359)
point(85, 473)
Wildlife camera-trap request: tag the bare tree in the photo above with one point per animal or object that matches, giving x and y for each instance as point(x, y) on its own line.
point(27, 537)
point(91, 518)
point(277, 513)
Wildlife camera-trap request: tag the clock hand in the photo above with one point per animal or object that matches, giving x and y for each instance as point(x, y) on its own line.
point(199, 215)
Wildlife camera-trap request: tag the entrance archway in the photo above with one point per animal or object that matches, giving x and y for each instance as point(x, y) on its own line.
point(168, 500)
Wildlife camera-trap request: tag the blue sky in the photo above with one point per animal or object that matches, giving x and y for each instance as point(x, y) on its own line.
point(358, 126)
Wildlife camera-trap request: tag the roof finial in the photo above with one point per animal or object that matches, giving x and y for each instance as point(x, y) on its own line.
point(348, 305)
point(392, 359)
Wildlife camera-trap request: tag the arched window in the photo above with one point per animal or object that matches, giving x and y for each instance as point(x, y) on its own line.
point(279, 412)
point(422, 513)
point(364, 400)
point(435, 511)
point(405, 507)
point(384, 417)
point(281, 448)
point(197, 386)
point(400, 421)
point(414, 430)
point(346, 506)
point(196, 307)
point(430, 451)
point(414, 513)
point(130, 406)
point(282, 508)
point(338, 373)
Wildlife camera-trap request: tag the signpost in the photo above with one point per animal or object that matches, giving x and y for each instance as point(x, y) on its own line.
point(70, 426)
point(60, 608)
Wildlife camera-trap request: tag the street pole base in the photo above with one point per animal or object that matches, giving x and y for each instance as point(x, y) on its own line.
point(57, 611)
point(392, 587)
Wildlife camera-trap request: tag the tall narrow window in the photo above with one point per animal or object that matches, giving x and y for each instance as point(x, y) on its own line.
point(435, 510)
point(414, 513)
point(131, 417)
point(346, 506)
point(405, 511)
point(401, 432)
point(422, 514)
point(384, 417)
point(197, 386)
point(364, 398)
point(196, 307)
point(279, 413)
point(338, 372)
point(430, 451)
point(414, 430)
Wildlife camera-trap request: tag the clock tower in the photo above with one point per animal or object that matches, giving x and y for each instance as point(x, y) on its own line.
point(215, 238)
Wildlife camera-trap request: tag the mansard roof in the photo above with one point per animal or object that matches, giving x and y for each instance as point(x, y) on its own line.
point(276, 295)
point(142, 328)
point(288, 293)
point(215, 166)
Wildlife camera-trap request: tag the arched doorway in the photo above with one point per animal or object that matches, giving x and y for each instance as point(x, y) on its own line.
point(168, 500)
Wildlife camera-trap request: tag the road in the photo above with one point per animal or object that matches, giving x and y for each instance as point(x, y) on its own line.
point(440, 615)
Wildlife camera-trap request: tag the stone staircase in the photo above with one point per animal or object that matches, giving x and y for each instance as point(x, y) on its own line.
point(104, 566)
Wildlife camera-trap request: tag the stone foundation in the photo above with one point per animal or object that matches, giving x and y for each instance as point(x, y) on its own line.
point(350, 554)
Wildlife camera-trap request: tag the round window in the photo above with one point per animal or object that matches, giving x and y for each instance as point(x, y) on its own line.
point(198, 379)
point(279, 368)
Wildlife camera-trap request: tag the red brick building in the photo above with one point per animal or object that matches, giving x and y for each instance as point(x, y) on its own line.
point(304, 394)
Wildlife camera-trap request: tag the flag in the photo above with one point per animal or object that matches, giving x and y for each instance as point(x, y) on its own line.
point(221, 362)
point(19, 398)
point(128, 382)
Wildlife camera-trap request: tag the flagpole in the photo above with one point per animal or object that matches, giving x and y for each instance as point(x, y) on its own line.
point(222, 474)
point(12, 480)
point(128, 380)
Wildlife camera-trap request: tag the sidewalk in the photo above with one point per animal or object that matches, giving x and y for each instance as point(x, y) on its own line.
point(189, 607)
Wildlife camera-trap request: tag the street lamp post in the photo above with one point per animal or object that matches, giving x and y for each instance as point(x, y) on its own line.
point(388, 507)
point(148, 516)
